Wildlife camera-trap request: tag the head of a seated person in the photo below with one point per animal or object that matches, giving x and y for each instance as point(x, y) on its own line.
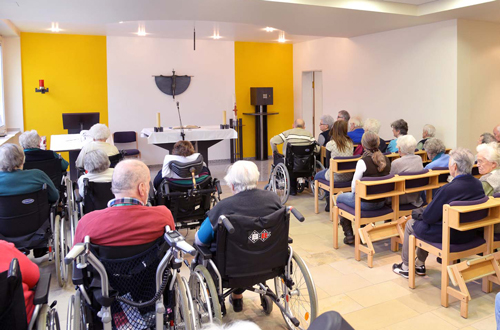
point(241, 176)
point(486, 138)
point(339, 135)
point(11, 157)
point(399, 127)
point(372, 125)
point(461, 162)
point(434, 147)
point(406, 145)
point(428, 131)
point(30, 140)
point(326, 123)
point(131, 178)
point(183, 148)
point(370, 142)
point(355, 123)
point(99, 132)
point(96, 161)
point(299, 123)
point(343, 115)
point(488, 157)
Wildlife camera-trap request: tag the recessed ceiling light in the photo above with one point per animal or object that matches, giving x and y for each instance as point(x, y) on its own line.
point(55, 27)
point(121, 22)
point(282, 37)
point(141, 31)
point(269, 29)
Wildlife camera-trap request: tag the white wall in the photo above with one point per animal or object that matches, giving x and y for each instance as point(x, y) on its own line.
point(13, 84)
point(134, 99)
point(408, 73)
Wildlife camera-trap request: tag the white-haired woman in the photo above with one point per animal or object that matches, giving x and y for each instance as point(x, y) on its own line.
point(408, 162)
point(356, 130)
point(371, 125)
point(428, 132)
point(96, 163)
point(436, 153)
point(15, 181)
point(242, 178)
point(488, 162)
point(30, 141)
point(325, 124)
point(99, 133)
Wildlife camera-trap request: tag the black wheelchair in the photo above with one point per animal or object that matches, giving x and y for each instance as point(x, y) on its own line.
point(31, 223)
point(51, 167)
point(132, 287)
point(299, 164)
point(12, 305)
point(251, 251)
point(189, 202)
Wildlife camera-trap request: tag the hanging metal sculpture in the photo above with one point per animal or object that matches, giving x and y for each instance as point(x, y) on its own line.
point(173, 85)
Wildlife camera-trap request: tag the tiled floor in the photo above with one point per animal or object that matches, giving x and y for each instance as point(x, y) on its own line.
point(373, 298)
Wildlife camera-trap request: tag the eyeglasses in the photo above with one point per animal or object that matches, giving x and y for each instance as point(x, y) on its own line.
point(322, 124)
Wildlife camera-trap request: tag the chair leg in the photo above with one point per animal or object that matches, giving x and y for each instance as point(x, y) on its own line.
point(464, 308)
point(444, 280)
point(316, 198)
point(394, 245)
point(335, 219)
point(411, 261)
point(357, 241)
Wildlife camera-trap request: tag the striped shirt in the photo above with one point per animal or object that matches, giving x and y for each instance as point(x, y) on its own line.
point(294, 136)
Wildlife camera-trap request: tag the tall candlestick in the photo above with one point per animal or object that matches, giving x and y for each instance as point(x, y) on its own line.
point(224, 117)
point(158, 124)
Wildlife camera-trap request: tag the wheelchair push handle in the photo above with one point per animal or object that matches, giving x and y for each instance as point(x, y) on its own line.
point(296, 214)
point(74, 252)
point(227, 224)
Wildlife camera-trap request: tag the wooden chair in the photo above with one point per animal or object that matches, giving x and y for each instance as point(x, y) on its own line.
point(392, 156)
point(444, 173)
point(475, 171)
point(337, 165)
point(322, 157)
point(423, 155)
point(461, 216)
point(126, 137)
point(496, 243)
point(416, 182)
point(369, 188)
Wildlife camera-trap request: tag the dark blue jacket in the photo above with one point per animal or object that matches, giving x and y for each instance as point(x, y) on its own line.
point(462, 188)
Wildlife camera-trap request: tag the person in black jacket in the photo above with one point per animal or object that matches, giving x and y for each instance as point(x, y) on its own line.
point(429, 225)
point(30, 141)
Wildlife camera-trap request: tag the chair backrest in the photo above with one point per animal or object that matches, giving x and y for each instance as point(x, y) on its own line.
point(374, 188)
point(344, 164)
point(183, 170)
point(115, 159)
point(474, 214)
point(323, 158)
point(444, 173)
point(475, 171)
point(51, 167)
point(12, 306)
point(300, 159)
point(96, 195)
point(255, 252)
point(125, 137)
point(497, 195)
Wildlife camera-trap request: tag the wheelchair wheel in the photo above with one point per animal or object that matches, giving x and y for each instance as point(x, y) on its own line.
point(61, 249)
point(280, 182)
point(47, 319)
point(299, 297)
point(182, 317)
point(205, 297)
point(76, 314)
point(267, 304)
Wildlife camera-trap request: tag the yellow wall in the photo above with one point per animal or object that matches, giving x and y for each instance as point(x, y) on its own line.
point(74, 70)
point(264, 65)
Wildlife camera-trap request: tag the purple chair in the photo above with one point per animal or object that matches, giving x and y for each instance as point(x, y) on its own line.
point(128, 137)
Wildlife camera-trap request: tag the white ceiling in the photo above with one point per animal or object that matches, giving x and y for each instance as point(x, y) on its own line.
point(240, 20)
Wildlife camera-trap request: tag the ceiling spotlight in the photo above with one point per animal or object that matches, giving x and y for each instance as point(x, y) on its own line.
point(282, 37)
point(216, 34)
point(121, 22)
point(55, 27)
point(141, 31)
point(269, 29)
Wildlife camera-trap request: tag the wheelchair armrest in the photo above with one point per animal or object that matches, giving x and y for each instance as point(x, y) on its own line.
point(77, 276)
point(42, 290)
point(204, 251)
point(78, 197)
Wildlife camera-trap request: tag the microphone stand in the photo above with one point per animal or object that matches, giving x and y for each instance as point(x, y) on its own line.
point(183, 135)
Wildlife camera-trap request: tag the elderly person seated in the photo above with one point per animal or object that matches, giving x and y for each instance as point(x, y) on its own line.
point(428, 132)
point(371, 125)
point(242, 178)
point(127, 220)
point(436, 152)
point(486, 138)
point(99, 133)
point(16, 181)
point(488, 163)
point(325, 124)
point(30, 141)
point(399, 128)
point(343, 115)
point(340, 146)
point(96, 163)
point(427, 224)
point(496, 132)
point(183, 152)
point(408, 162)
point(356, 130)
point(373, 164)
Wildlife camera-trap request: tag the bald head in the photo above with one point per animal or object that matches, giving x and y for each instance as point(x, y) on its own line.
point(131, 178)
point(299, 123)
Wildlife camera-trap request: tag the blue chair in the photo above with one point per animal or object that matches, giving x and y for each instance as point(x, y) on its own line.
point(128, 137)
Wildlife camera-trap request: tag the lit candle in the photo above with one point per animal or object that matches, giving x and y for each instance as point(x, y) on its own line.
point(40, 82)
point(224, 117)
point(158, 120)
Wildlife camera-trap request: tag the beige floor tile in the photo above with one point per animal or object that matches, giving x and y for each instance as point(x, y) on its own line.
point(479, 308)
point(340, 303)
point(340, 283)
point(378, 274)
point(424, 299)
point(378, 293)
point(424, 321)
point(349, 266)
point(379, 316)
point(322, 258)
point(486, 324)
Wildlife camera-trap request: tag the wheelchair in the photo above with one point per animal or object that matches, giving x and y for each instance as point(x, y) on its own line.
point(298, 164)
point(12, 305)
point(251, 251)
point(51, 167)
point(189, 201)
point(115, 290)
point(31, 223)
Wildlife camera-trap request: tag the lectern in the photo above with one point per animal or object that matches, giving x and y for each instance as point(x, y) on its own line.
point(261, 97)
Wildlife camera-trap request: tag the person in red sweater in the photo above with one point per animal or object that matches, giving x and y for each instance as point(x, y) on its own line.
point(29, 272)
point(126, 220)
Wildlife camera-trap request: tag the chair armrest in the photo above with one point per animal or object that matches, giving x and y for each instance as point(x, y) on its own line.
point(204, 251)
point(42, 290)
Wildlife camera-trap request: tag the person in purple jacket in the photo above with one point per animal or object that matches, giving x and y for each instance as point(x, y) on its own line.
point(429, 224)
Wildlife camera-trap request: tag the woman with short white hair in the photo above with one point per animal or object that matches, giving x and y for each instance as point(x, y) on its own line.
point(96, 163)
point(30, 141)
point(325, 124)
point(488, 163)
point(428, 132)
point(436, 152)
point(99, 133)
point(371, 125)
point(242, 178)
point(408, 162)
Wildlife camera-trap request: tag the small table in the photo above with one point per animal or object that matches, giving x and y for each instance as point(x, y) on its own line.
point(202, 138)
